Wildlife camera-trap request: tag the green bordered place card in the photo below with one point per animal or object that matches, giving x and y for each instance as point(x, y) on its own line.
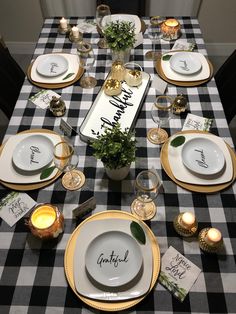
point(193, 122)
point(178, 273)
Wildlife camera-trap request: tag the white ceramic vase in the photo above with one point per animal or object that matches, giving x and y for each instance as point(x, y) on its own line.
point(118, 174)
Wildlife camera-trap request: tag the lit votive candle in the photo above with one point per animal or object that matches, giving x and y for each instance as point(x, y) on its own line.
point(63, 23)
point(210, 240)
point(170, 29)
point(46, 221)
point(185, 224)
point(213, 236)
point(75, 32)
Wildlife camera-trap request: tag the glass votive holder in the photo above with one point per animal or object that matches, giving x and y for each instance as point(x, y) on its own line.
point(170, 29)
point(185, 224)
point(210, 240)
point(46, 221)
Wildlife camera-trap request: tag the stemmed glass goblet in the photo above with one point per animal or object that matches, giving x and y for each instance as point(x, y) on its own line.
point(161, 113)
point(154, 33)
point(66, 160)
point(147, 185)
point(103, 17)
point(86, 60)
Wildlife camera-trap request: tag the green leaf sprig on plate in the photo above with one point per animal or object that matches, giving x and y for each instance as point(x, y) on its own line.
point(137, 232)
point(46, 172)
point(178, 141)
point(67, 76)
point(166, 57)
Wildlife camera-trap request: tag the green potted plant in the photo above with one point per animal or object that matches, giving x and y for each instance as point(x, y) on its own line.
point(120, 37)
point(116, 149)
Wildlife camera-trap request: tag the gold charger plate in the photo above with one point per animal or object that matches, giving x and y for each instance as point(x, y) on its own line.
point(160, 72)
point(33, 186)
point(194, 187)
point(54, 85)
point(69, 257)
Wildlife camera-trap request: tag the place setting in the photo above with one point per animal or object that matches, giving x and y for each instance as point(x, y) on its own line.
point(184, 68)
point(55, 70)
point(199, 161)
point(112, 269)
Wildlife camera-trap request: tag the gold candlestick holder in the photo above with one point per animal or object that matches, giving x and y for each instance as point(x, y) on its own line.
point(64, 31)
point(74, 39)
point(182, 229)
point(206, 245)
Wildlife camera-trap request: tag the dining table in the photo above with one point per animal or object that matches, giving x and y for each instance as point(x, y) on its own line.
point(32, 271)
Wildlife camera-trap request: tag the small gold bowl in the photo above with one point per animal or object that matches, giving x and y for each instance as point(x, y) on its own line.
point(112, 87)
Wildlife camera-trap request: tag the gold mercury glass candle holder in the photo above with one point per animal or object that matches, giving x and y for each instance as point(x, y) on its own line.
point(210, 240)
point(75, 35)
point(64, 27)
point(170, 29)
point(185, 224)
point(46, 221)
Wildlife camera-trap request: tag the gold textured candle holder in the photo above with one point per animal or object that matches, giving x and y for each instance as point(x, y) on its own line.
point(207, 246)
point(64, 31)
point(74, 39)
point(181, 229)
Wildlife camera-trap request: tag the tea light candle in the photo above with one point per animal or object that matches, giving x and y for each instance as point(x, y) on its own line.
point(75, 31)
point(43, 217)
point(46, 221)
point(213, 236)
point(170, 29)
point(63, 23)
point(185, 224)
point(210, 240)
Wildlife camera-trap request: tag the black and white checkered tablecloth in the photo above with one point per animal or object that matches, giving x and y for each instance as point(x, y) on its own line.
point(32, 272)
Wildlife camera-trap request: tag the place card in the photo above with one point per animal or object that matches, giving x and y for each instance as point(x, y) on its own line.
point(183, 45)
point(14, 206)
point(66, 128)
point(43, 97)
point(85, 207)
point(178, 273)
point(193, 122)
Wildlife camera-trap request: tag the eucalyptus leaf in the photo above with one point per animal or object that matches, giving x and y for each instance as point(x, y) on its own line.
point(137, 232)
point(178, 141)
point(46, 172)
point(166, 57)
point(68, 75)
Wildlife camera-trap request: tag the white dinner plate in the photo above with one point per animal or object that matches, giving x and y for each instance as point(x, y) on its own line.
point(86, 286)
point(113, 258)
point(33, 153)
point(203, 156)
point(53, 65)
point(125, 17)
point(185, 63)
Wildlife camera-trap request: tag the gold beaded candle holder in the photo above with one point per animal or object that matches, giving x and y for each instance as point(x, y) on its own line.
point(210, 240)
point(185, 224)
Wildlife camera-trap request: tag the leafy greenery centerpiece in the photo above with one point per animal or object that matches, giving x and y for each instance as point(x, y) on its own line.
point(120, 37)
point(116, 149)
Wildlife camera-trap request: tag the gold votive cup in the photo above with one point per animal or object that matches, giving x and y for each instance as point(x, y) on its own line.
point(210, 240)
point(46, 221)
point(170, 29)
point(185, 224)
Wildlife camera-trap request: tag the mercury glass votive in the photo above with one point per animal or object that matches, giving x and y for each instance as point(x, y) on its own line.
point(46, 221)
point(210, 240)
point(170, 29)
point(64, 27)
point(185, 224)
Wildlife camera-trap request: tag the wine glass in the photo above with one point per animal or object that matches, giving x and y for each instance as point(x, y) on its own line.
point(103, 17)
point(66, 160)
point(161, 114)
point(147, 185)
point(86, 60)
point(154, 33)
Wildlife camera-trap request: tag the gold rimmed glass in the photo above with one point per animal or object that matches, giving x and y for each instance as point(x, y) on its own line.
point(161, 113)
point(154, 34)
point(66, 160)
point(103, 17)
point(147, 185)
point(86, 60)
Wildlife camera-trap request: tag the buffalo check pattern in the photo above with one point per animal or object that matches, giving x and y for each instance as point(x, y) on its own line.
point(32, 272)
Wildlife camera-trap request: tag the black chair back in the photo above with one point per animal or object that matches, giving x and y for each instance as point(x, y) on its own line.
point(136, 7)
point(225, 79)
